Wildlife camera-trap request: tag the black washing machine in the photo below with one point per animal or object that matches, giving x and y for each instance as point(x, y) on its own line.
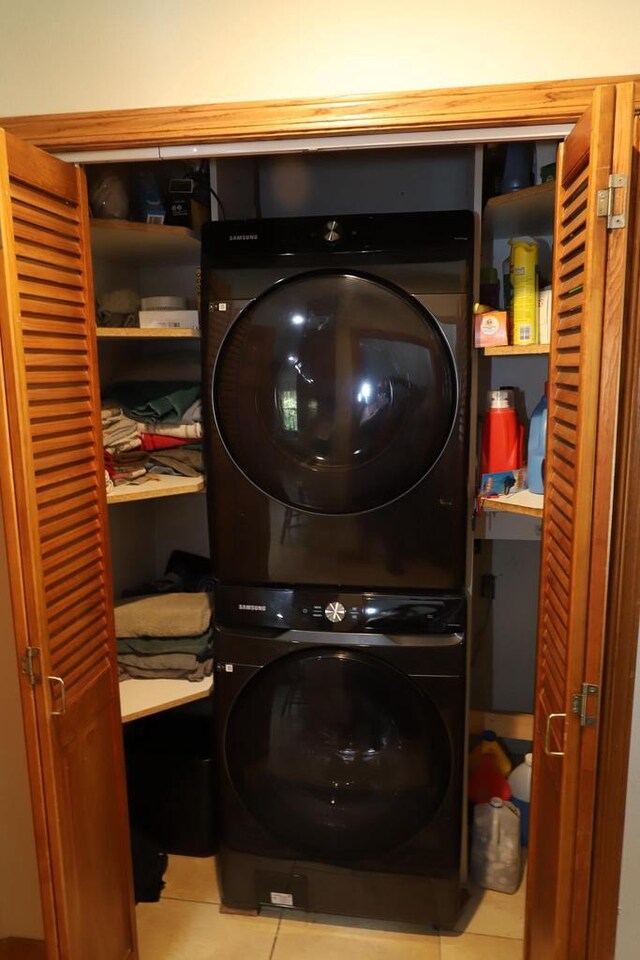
point(336, 364)
point(341, 762)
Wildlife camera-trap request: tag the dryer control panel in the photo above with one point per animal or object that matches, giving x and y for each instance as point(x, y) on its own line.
point(326, 609)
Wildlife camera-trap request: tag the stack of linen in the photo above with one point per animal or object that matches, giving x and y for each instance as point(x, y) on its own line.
point(152, 427)
point(167, 635)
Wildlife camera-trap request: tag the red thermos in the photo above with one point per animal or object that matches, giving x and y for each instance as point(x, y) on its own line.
point(502, 435)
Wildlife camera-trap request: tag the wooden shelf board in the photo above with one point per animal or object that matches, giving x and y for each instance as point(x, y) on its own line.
point(511, 351)
point(143, 243)
point(524, 502)
point(157, 485)
point(146, 333)
point(505, 216)
point(141, 698)
point(513, 726)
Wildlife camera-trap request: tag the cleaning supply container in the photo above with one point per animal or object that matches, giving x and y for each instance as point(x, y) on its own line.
point(486, 781)
point(495, 846)
point(520, 784)
point(524, 291)
point(489, 745)
point(537, 445)
point(502, 435)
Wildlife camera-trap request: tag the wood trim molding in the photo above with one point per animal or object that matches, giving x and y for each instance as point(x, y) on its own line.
point(561, 101)
point(622, 627)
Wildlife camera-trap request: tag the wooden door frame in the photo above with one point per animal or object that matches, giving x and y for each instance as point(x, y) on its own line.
point(527, 104)
point(505, 105)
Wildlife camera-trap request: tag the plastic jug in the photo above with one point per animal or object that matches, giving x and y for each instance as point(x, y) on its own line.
point(520, 784)
point(502, 435)
point(489, 744)
point(537, 445)
point(495, 846)
point(486, 781)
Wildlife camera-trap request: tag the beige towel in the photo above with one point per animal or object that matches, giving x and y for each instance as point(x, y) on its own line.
point(164, 615)
point(183, 431)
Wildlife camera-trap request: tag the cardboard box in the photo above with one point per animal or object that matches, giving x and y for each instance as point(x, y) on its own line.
point(544, 315)
point(504, 483)
point(169, 319)
point(491, 329)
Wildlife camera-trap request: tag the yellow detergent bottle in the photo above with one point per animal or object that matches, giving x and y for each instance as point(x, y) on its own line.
point(524, 291)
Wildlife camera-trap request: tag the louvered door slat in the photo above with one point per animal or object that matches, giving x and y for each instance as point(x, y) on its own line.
point(30, 250)
point(28, 232)
point(55, 481)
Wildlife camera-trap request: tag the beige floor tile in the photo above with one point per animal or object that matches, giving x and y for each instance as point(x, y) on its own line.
point(494, 914)
point(471, 946)
point(183, 930)
point(191, 878)
point(323, 938)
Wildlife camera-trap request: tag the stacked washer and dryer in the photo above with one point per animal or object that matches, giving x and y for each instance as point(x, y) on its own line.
point(336, 364)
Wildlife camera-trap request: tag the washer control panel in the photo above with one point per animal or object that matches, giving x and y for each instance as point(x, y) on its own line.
point(326, 609)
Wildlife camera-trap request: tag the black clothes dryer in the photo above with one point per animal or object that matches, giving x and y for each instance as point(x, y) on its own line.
point(341, 764)
point(336, 360)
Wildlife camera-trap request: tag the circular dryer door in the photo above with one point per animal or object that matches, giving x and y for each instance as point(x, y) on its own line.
point(337, 754)
point(335, 392)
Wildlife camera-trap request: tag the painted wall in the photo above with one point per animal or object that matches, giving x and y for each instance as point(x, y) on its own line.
point(63, 55)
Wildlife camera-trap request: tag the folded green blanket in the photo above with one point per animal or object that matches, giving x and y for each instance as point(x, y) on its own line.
point(201, 646)
point(154, 401)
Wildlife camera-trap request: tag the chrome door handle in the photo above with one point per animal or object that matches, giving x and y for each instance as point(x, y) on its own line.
point(63, 697)
point(547, 736)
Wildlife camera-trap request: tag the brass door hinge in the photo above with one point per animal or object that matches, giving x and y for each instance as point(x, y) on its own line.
point(580, 704)
point(28, 666)
point(607, 200)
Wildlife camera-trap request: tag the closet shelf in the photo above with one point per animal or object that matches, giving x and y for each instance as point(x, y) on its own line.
point(505, 215)
point(511, 351)
point(157, 485)
point(146, 333)
point(144, 243)
point(141, 698)
point(527, 503)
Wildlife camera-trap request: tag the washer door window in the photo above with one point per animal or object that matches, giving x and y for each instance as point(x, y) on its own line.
point(334, 392)
point(337, 754)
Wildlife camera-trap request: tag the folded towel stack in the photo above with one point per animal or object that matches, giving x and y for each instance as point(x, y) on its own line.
point(152, 427)
point(166, 635)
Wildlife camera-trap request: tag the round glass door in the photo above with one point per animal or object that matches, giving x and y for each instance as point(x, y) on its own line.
point(337, 754)
point(335, 392)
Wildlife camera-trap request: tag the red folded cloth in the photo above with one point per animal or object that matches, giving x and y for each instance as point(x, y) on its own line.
point(154, 441)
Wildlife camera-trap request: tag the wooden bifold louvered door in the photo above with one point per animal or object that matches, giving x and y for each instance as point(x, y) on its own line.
point(590, 257)
point(55, 513)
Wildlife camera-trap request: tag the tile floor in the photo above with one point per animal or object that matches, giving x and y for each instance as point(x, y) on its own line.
point(187, 925)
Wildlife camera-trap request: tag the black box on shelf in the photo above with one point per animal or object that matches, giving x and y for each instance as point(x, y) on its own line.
point(171, 778)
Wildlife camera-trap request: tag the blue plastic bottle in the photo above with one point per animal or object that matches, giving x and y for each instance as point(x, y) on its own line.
point(537, 445)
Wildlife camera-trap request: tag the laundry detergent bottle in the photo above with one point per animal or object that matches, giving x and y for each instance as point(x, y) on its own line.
point(537, 445)
point(520, 784)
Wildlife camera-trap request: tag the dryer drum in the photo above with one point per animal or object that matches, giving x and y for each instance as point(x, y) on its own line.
point(336, 754)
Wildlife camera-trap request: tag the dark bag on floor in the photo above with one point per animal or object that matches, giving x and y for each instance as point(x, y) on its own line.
point(149, 865)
